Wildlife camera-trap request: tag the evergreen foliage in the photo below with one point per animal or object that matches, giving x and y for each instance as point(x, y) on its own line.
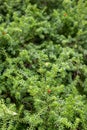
point(43, 70)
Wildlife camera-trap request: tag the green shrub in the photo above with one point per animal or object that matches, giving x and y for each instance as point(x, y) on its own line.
point(43, 70)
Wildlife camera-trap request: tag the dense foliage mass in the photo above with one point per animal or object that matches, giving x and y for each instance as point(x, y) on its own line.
point(43, 65)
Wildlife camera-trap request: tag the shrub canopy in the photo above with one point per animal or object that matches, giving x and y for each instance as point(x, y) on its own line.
point(43, 70)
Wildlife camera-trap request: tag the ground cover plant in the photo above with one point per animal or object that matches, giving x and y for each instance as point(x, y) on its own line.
point(43, 65)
